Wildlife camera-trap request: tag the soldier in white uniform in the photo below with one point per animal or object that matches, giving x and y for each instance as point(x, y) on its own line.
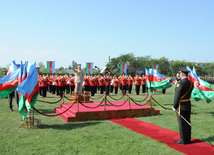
point(78, 79)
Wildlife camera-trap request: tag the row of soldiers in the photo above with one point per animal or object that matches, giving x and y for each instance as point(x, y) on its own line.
point(59, 83)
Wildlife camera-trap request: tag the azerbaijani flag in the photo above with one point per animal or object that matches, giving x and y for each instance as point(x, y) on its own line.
point(89, 68)
point(155, 80)
point(50, 67)
point(123, 68)
point(148, 81)
point(202, 89)
point(12, 67)
point(22, 99)
point(159, 81)
point(155, 67)
point(9, 83)
point(29, 89)
point(139, 72)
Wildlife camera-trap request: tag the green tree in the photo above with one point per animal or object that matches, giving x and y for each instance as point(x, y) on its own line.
point(114, 64)
point(42, 67)
point(3, 71)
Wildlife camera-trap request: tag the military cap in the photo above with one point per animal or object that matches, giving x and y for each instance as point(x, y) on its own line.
point(183, 70)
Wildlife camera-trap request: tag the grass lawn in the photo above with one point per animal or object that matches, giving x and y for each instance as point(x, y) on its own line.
point(55, 136)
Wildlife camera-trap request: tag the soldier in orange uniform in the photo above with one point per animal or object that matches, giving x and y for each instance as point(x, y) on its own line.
point(96, 83)
point(61, 81)
point(124, 84)
point(143, 80)
point(71, 82)
point(116, 84)
point(111, 84)
point(67, 82)
point(130, 81)
point(57, 84)
point(92, 85)
point(53, 84)
point(107, 84)
point(120, 82)
point(101, 84)
point(44, 85)
point(86, 82)
point(50, 80)
point(137, 84)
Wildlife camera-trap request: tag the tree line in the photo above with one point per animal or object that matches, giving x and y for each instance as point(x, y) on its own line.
point(143, 62)
point(139, 63)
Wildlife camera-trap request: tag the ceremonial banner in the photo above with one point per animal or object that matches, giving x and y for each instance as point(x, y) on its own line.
point(12, 67)
point(29, 89)
point(25, 80)
point(123, 68)
point(202, 89)
point(89, 68)
point(155, 67)
point(155, 80)
point(51, 67)
point(148, 81)
point(9, 83)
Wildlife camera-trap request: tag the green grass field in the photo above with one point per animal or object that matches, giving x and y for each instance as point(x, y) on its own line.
point(55, 136)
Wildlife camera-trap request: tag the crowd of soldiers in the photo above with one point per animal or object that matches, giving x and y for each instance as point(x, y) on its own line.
point(59, 83)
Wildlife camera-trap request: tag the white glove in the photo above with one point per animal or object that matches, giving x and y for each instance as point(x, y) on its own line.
point(173, 108)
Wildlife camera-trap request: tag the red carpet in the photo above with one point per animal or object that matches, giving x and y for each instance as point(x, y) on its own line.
point(165, 135)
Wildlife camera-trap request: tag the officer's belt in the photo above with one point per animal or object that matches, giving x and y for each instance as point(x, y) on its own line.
point(185, 100)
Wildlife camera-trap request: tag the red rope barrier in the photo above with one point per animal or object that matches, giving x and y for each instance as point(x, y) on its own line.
point(91, 107)
point(161, 105)
point(50, 102)
point(141, 100)
point(71, 99)
point(52, 115)
point(55, 114)
point(97, 98)
point(142, 104)
point(117, 105)
point(116, 99)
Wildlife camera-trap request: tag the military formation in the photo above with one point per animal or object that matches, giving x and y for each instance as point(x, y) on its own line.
point(95, 83)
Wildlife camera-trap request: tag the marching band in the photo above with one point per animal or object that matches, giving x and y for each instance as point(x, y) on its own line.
point(59, 83)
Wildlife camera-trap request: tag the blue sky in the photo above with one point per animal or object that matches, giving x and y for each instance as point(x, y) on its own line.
point(93, 30)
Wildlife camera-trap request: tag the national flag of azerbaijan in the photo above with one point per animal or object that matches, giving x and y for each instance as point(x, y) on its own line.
point(12, 67)
point(89, 68)
point(155, 67)
point(159, 81)
point(155, 80)
point(123, 68)
point(29, 88)
point(9, 83)
point(148, 81)
point(51, 67)
point(22, 99)
point(139, 72)
point(202, 89)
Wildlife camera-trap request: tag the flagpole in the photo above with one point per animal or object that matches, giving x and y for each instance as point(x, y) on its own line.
point(171, 69)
